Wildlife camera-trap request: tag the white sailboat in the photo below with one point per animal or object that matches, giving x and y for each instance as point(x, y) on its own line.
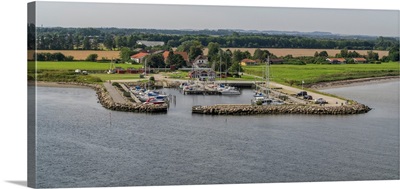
point(264, 98)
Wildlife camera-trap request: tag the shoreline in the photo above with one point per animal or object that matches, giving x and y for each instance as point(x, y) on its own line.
point(319, 86)
point(58, 84)
point(354, 82)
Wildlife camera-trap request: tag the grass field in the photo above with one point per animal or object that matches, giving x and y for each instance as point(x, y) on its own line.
point(314, 73)
point(105, 77)
point(82, 65)
point(289, 74)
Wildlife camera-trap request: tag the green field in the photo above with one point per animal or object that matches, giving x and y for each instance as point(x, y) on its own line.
point(288, 74)
point(82, 65)
point(314, 73)
point(106, 77)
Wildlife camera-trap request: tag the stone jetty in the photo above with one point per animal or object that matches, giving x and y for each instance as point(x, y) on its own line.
point(107, 102)
point(226, 109)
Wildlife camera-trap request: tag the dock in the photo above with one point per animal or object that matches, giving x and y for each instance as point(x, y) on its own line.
point(201, 92)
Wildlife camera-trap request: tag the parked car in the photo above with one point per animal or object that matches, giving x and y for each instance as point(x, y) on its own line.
point(307, 97)
point(301, 93)
point(320, 101)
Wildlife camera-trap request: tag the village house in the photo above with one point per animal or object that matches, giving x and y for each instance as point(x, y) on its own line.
point(248, 62)
point(201, 61)
point(336, 60)
point(139, 57)
point(205, 74)
point(360, 60)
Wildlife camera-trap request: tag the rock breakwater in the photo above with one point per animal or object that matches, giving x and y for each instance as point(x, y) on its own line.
point(107, 102)
point(223, 109)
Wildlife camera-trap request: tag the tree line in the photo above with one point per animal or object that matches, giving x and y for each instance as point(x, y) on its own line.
point(115, 38)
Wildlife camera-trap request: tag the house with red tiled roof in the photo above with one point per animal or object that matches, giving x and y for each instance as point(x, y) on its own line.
point(360, 60)
point(336, 60)
point(248, 62)
point(139, 57)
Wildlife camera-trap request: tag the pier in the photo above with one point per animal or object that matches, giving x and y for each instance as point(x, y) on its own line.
point(201, 92)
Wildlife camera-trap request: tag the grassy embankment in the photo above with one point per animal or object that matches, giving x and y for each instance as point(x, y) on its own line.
point(285, 74)
point(316, 73)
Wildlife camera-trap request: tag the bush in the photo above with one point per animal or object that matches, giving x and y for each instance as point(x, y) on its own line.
point(115, 84)
point(152, 78)
point(69, 58)
point(92, 57)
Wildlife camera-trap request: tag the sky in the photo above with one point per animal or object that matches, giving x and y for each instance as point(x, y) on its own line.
point(125, 15)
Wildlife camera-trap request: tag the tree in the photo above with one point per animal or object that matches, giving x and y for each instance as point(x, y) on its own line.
point(109, 42)
point(353, 54)
point(185, 46)
point(316, 54)
point(372, 56)
point(343, 53)
point(69, 58)
point(125, 54)
point(236, 68)
point(195, 51)
point(323, 54)
point(156, 60)
point(92, 57)
point(394, 53)
point(176, 60)
point(213, 50)
point(95, 44)
point(86, 44)
point(260, 54)
point(169, 60)
point(58, 56)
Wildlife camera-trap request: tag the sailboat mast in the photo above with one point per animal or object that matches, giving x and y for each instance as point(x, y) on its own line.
point(267, 76)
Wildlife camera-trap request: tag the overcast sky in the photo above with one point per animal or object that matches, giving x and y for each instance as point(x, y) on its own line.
point(338, 21)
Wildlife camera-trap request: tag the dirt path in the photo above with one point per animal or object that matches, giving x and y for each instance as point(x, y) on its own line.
point(114, 94)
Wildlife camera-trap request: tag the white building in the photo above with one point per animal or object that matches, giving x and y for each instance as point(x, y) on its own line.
point(201, 61)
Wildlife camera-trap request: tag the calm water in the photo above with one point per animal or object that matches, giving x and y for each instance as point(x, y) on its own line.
point(80, 143)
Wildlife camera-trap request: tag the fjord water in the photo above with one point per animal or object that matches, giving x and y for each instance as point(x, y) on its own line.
point(80, 143)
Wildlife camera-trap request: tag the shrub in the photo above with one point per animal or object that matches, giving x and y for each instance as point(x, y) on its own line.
point(92, 57)
point(69, 58)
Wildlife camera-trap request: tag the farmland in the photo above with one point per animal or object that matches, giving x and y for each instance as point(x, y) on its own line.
point(314, 73)
point(79, 54)
point(82, 54)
